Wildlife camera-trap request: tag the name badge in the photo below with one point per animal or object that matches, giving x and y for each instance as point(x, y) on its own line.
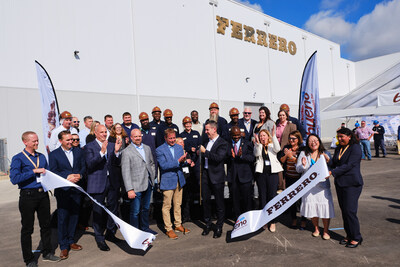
point(153, 134)
point(154, 127)
point(175, 130)
point(267, 163)
point(184, 138)
point(185, 169)
point(242, 130)
point(195, 136)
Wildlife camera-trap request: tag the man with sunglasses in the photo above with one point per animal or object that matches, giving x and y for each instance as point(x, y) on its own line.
point(75, 140)
point(247, 123)
point(75, 123)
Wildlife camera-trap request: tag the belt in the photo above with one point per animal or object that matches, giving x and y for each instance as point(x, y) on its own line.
point(40, 190)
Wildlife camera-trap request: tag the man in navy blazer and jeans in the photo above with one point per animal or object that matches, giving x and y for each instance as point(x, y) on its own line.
point(171, 157)
point(69, 164)
point(100, 156)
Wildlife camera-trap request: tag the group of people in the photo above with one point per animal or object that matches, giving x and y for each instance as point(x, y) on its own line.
point(125, 160)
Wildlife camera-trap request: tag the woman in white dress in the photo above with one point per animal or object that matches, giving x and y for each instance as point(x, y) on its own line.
point(318, 202)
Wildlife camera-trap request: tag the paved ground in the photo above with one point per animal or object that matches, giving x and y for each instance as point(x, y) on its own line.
point(379, 213)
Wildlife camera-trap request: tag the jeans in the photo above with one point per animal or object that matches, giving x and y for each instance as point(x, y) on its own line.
point(365, 148)
point(380, 143)
point(140, 206)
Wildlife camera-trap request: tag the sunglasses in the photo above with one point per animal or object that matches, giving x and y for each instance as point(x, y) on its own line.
point(247, 113)
point(291, 138)
point(76, 121)
point(75, 140)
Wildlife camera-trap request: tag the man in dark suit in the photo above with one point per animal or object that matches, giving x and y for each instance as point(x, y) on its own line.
point(240, 172)
point(100, 156)
point(213, 180)
point(69, 164)
point(247, 123)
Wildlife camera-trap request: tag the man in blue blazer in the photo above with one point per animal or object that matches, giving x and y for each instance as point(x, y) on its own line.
point(101, 185)
point(69, 164)
point(171, 157)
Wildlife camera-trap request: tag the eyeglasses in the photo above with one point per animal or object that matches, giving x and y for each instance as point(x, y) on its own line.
point(74, 140)
point(247, 113)
point(76, 121)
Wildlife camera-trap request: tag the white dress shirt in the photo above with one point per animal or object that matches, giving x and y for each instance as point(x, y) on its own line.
point(70, 156)
point(208, 148)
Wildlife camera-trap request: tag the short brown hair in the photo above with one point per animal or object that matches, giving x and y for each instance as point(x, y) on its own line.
point(169, 131)
point(25, 135)
point(298, 136)
point(62, 133)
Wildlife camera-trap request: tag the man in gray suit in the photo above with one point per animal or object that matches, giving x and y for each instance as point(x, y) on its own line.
point(138, 173)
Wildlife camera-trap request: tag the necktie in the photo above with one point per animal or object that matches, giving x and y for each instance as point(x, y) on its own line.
point(236, 150)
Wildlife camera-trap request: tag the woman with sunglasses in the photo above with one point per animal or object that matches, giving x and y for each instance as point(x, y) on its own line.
point(348, 182)
point(318, 202)
point(288, 157)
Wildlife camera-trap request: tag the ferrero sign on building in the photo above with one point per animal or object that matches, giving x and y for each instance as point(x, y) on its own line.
point(251, 35)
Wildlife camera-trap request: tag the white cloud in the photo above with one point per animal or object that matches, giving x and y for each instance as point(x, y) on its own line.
point(375, 34)
point(247, 3)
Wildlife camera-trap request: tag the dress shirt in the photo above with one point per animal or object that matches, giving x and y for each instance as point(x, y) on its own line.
point(140, 149)
point(171, 149)
point(279, 130)
point(100, 144)
point(208, 148)
point(237, 144)
point(70, 156)
point(82, 136)
point(247, 124)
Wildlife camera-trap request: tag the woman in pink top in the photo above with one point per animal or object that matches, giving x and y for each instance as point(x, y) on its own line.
point(284, 128)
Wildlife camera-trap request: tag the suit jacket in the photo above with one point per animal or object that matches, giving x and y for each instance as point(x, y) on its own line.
point(97, 167)
point(249, 134)
point(273, 149)
point(241, 167)
point(136, 172)
point(170, 168)
point(346, 171)
point(226, 132)
point(290, 127)
point(59, 164)
point(216, 159)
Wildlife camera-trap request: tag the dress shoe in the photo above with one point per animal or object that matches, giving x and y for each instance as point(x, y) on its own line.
point(217, 233)
point(32, 264)
point(171, 234)
point(206, 230)
point(182, 229)
point(110, 236)
point(64, 254)
point(344, 241)
point(75, 246)
point(350, 245)
point(103, 246)
point(148, 230)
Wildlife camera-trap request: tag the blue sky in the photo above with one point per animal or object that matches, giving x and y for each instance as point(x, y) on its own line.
point(363, 28)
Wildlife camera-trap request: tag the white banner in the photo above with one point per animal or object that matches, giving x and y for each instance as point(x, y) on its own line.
point(49, 104)
point(251, 221)
point(134, 237)
point(389, 98)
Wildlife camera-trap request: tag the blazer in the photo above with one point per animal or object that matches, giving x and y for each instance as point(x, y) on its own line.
point(249, 134)
point(290, 127)
point(170, 168)
point(136, 172)
point(273, 149)
point(216, 160)
point(60, 165)
point(97, 167)
point(241, 167)
point(346, 171)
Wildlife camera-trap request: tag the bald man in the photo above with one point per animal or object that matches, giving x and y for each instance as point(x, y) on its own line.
point(100, 156)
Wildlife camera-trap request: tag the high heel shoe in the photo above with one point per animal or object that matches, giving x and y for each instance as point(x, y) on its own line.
point(350, 245)
point(344, 241)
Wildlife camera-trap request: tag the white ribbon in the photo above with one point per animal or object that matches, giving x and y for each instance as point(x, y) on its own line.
point(251, 221)
point(134, 237)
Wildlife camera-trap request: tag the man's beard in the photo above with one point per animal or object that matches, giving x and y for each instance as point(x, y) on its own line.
point(214, 117)
point(145, 127)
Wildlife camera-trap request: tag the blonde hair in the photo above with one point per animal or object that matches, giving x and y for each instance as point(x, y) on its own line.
point(93, 127)
point(267, 133)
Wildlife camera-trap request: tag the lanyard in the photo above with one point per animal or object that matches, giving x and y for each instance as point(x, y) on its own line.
point(37, 160)
point(341, 153)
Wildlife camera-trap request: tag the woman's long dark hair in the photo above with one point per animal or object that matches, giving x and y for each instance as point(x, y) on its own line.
point(348, 132)
point(267, 113)
point(321, 148)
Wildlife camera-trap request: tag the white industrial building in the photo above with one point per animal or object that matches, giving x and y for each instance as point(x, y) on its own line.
point(108, 57)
